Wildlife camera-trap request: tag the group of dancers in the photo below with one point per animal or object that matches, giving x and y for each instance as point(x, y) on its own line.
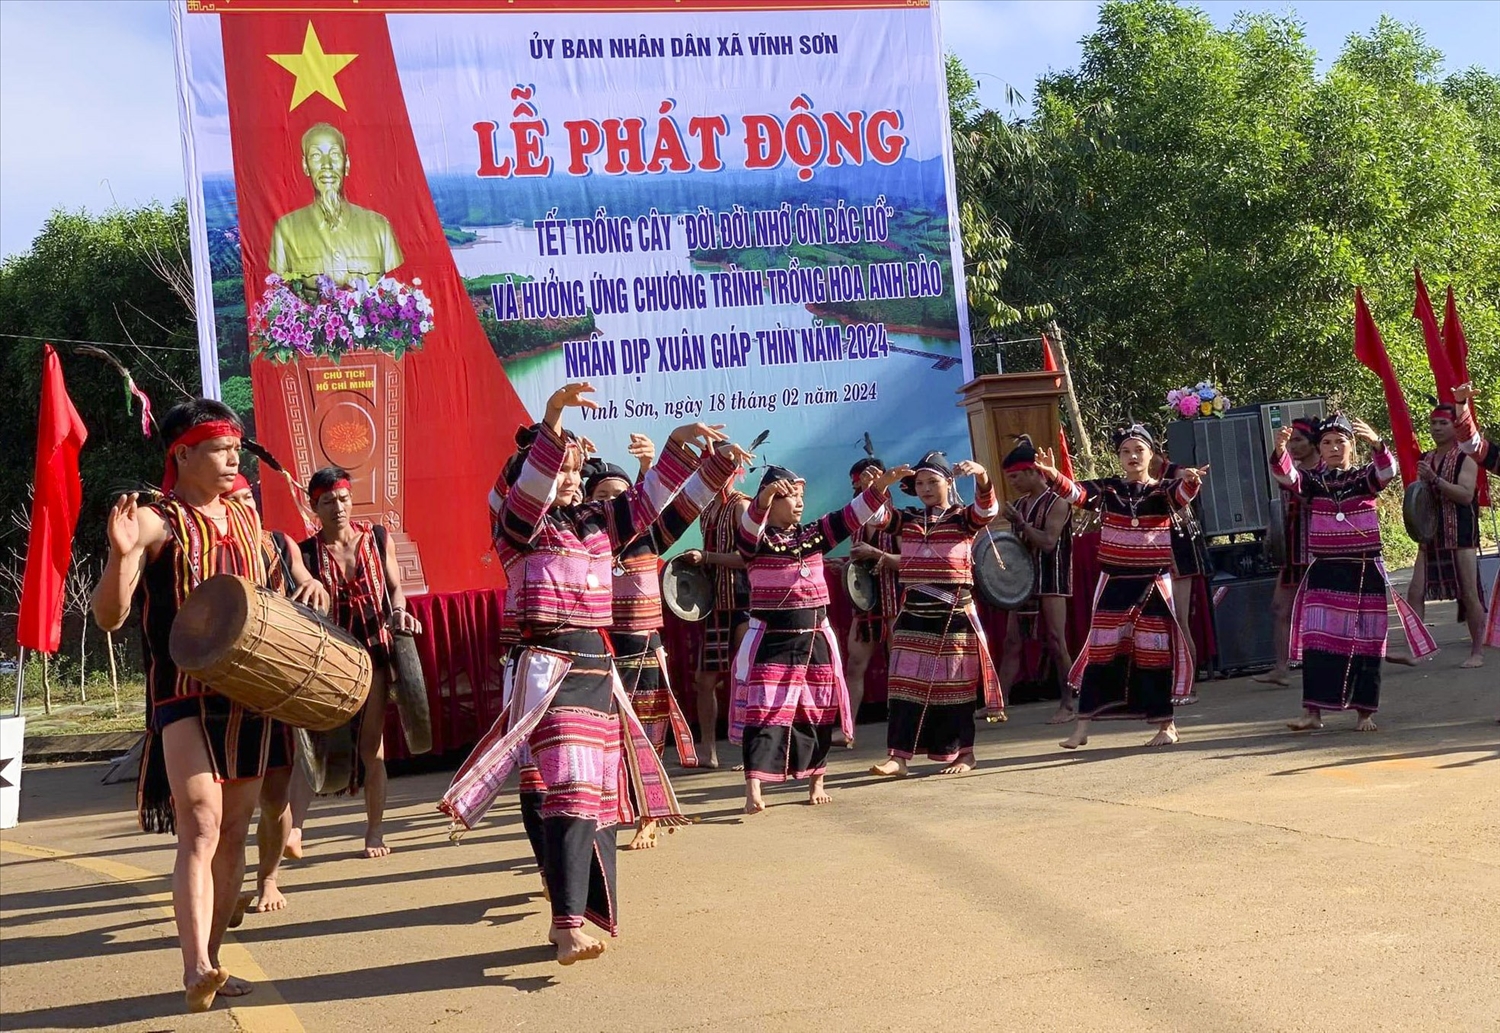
point(588, 707)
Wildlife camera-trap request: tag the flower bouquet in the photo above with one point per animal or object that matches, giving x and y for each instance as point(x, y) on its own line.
point(1202, 399)
point(385, 315)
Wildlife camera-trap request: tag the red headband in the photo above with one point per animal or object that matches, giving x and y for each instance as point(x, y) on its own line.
point(317, 493)
point(1019, 465)
point(1444, 412)
point(195, 435)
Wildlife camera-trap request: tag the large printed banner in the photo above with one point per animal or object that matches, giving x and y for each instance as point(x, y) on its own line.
point(411, 226)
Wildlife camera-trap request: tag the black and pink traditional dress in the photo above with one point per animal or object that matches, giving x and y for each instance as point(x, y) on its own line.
point(636, 630)
point(567, 704)
point(1487, 453)
point(1135, 664)
point(940, 661)
point(1339, 618)
point(789, 689)
point(241, 744)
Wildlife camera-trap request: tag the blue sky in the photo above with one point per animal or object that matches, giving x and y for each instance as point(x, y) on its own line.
point(88, 106)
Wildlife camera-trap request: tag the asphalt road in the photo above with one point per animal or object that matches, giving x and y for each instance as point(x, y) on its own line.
point(1246, 879)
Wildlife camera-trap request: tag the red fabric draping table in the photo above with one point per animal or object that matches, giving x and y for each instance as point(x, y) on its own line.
point(462, 657)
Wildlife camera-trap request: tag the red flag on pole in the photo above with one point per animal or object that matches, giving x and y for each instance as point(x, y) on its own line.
point(1064, 460)
point(1457, 347)
point(1369, 349)
point(1437, 353)
point(60, 435)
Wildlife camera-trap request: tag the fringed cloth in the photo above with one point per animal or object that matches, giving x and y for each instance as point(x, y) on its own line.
point(1339, 624)
point(242, 745)
point(940, 665)
point(1458, 528)
point(789, 693)
point(1487, 453)
point(1135, 664)
point(642, 663)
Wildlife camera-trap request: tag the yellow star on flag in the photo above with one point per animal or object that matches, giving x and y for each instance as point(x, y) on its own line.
point(314, 70)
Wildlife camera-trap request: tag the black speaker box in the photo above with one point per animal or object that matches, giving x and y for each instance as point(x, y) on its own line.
point(1243, 623)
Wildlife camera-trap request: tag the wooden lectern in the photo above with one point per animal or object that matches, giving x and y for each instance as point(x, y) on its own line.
point(1003, 405)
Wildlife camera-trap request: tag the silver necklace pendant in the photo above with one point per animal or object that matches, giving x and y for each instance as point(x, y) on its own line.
point(804, 569)
point(619, 569)
point(1339, 516)
point(1135, 521)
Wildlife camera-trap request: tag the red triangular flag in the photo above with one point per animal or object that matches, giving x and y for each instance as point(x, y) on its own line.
point(1457, 347)
point(1064, 460)
point(1437, 355)
point(1369, 349)
point(58, 495)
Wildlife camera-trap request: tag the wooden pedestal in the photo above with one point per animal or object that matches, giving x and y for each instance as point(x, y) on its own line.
point(1003, 405)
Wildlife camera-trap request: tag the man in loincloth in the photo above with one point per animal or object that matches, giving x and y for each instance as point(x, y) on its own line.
point(205, 755)
point(355, 562)
point(870, 631)
point(724, 628)
point(1448, 566)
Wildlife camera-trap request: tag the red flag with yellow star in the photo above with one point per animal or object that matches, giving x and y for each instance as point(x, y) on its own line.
point(330, 183)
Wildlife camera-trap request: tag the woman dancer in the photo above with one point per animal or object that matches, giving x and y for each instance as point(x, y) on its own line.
point(1135, 664)
point(636, 629)
point(939, 657)
point(788, 680)
point(567, 702)
point(1302, 444)
point(1339, 618)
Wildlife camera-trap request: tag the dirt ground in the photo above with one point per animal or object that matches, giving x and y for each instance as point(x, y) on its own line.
point(1246, 879)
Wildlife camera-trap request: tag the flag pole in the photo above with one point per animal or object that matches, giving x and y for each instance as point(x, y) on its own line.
point(1072, 400)
point(20, 678)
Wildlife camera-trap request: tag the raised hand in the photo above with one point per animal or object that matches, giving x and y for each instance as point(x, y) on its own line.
point(1193, 474)
point(1044, 464)
point(1282, 437)
point(1364, 432)
point(573, 396)
point(701, 434)
point(775, 490)
point(968, 468)
point(123, 528)
point(642, 448)
point(588, 447)
point(734, 453)
point(890, 477)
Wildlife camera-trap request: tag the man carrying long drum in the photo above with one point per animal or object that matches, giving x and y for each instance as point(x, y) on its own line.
point(205, 755)
point(568, 703)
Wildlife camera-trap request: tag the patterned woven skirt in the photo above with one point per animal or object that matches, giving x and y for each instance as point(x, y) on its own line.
point(241, 745)
point(1135, 665)
point(935, 681)
point(1341, 621)
point(645, 682)
point(789, 694)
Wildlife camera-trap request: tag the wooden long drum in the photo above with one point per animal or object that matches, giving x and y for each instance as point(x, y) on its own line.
point(269, 654)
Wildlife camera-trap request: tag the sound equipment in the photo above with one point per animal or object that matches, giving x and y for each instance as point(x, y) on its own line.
point(269, 654)
point(1274, 416)
point(1233, 499)
point(1243, 624)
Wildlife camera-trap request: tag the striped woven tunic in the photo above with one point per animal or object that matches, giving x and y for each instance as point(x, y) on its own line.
point(1339, 617)
point(1135, 663)
point(1488, 455)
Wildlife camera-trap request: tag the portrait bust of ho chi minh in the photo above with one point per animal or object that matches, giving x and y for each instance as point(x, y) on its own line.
point(332, 236)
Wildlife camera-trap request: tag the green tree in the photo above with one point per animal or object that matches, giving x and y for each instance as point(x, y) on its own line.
point(98, 279)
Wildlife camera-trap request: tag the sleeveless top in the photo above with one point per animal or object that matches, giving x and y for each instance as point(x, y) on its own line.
point(359, 604)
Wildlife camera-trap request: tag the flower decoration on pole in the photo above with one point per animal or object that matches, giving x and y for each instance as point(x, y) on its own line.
point(385, 315)
point(1202, 399)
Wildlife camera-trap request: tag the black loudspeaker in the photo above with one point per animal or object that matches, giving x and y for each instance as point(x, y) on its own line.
point(1243, 622)
point(1235, 498)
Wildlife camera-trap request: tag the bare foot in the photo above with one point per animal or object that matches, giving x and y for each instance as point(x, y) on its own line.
point(1280, 679)
point(894, 767)
point(708, 757)
point(1306, 723)
point(293, 849)
point(202, 990)
point(964, 762)
point(1166, 737)
point(645, 836)
point(237, 916)
point(1074, 741)
point(575, 945)
point(816, 794)
point(1400, 660)
point(754, 802)
point(848, 744)
point(234, 986)
point(375, 847)
point(271, 898)
point(1474, 660)
point(1366, 723)
point(1063, 715)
